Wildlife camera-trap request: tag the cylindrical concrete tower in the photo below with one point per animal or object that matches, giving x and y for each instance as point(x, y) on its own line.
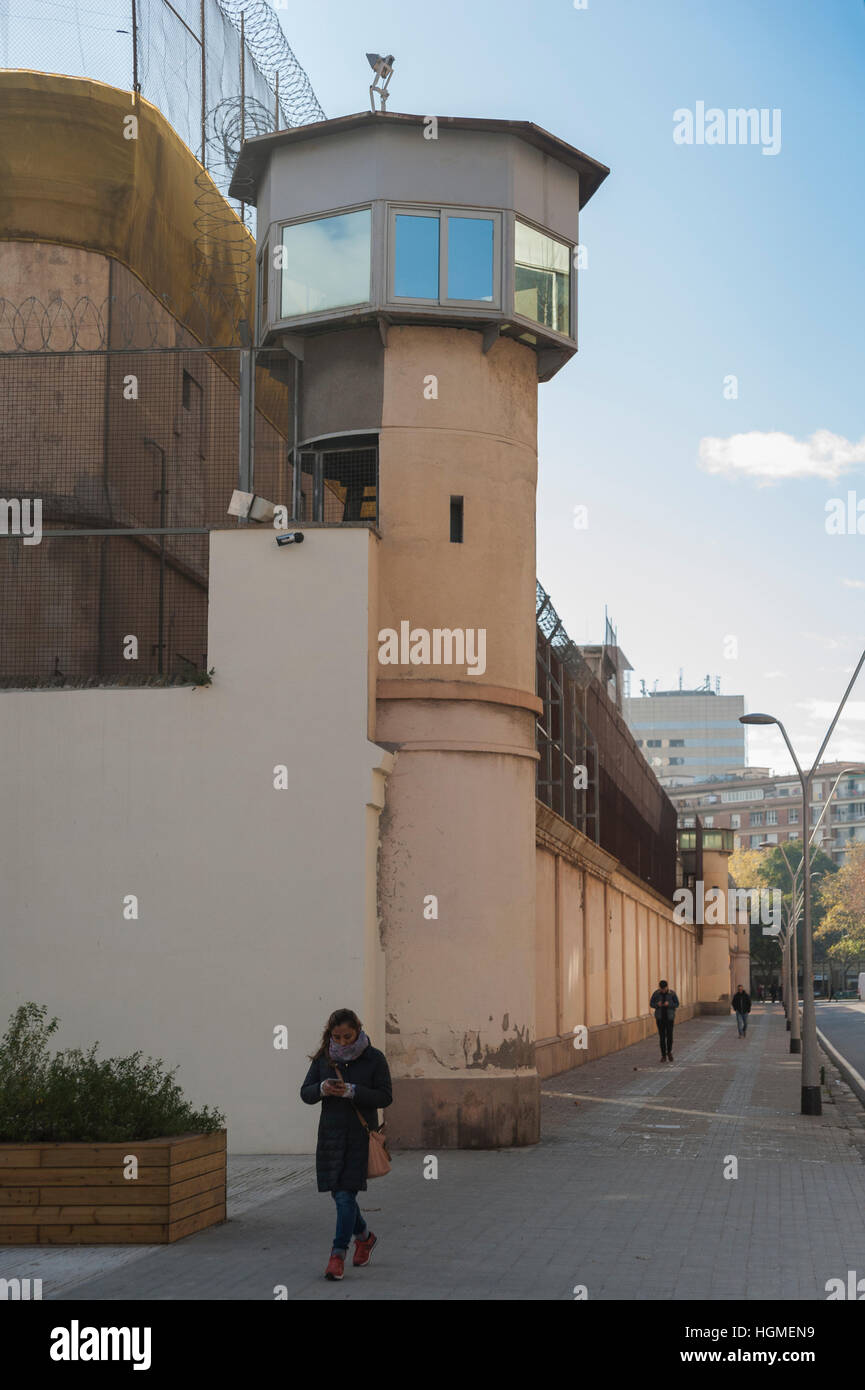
point(422, 274)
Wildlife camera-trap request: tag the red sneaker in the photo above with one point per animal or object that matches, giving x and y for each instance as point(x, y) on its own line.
point(363, 1249)
point(335, 1267)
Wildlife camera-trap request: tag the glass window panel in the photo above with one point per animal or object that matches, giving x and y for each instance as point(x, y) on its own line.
point(470, 258)
point(327, 263)
point(416, 257)
point(542, 280)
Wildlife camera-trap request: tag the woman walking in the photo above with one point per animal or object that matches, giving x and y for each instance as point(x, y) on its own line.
point(346, 1071)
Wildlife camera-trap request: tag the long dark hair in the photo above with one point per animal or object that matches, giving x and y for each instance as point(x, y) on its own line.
point(337, 1017)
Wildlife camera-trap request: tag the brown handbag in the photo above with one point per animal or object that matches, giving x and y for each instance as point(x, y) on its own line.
point(378, 1161)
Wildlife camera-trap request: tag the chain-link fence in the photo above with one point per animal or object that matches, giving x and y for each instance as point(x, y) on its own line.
point(100, 609)
point(127, 459)
point(219, 70)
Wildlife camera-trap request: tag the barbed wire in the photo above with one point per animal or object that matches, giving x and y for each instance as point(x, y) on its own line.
point(218, 75)
point(213, 313)
point(187, 59)
point(228, 124)
point(275, 59)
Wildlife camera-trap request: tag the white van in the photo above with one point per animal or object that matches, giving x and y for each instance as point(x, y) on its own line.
point(861, 986)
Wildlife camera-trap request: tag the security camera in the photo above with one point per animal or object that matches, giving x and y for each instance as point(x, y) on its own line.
point(289, 538)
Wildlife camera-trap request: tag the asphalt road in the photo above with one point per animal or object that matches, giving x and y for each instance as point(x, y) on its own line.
point(843, 1024)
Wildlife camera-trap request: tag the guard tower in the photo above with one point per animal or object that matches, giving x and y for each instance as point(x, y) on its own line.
point(421, 274)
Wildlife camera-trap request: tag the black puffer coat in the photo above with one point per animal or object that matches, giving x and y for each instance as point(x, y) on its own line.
point(342, 1151)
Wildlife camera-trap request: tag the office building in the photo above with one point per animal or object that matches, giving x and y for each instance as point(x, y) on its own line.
point(688, 735)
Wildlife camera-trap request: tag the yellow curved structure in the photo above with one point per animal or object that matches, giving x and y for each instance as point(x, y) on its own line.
point(76, 170)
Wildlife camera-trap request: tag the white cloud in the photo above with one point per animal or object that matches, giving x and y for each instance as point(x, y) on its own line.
point(772, 675)
point(768, 457)
point(853, 583)
point(825, 709)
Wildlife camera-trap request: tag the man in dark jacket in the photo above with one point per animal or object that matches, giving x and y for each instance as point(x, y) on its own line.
point(741, 1002)
point(665, 1002)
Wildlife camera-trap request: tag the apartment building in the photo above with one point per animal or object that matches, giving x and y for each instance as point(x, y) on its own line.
point(762, 807)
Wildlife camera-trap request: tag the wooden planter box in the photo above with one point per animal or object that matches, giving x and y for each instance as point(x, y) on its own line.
point(76, 1194)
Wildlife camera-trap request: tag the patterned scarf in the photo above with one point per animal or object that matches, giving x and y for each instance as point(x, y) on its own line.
point(346, 1052)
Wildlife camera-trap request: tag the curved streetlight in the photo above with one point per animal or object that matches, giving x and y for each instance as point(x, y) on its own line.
point(811, 1099)
point(789, 948)
point(790, 961)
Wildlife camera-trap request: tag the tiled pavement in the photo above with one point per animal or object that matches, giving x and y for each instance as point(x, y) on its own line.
point(625, 1194)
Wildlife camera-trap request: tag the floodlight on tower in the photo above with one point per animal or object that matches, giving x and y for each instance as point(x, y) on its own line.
point(383, 69)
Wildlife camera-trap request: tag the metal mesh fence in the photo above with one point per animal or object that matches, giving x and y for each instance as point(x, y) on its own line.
point(622, 807)
point(97, 609)
point(128, 459)
point(122, 439)
point(218, 70)
point(85, 38)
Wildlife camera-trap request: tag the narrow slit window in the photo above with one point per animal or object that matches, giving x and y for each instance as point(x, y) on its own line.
point(457, 519)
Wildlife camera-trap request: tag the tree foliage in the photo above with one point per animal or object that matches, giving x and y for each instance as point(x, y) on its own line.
point(842, 901)
point(766, 868)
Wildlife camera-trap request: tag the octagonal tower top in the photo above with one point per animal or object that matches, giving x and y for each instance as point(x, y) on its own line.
point(419, 219)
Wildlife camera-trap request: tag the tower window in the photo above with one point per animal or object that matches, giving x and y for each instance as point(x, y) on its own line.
point(470, 258)
point(542, 278)
point(445, 256)
point(327, 263)
point(416, 257)
point(456, 519)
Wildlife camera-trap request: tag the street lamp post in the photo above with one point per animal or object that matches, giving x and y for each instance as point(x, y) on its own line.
point(791, 962)
point(795, 1021)
point(785, 954)
point(792, 950)
point(811, 1100)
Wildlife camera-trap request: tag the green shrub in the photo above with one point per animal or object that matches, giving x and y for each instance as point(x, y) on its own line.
point(73, 1096)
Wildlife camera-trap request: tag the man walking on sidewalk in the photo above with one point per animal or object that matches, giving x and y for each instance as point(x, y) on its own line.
point(741, 1002)
point(665, 1002)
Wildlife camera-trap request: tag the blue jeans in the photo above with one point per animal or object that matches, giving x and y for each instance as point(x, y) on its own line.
point(349, 1221)
point(741, 1022)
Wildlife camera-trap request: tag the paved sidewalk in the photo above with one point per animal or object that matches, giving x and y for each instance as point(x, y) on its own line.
point(625, 1194)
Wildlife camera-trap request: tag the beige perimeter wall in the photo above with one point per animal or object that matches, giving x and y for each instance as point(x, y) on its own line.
point(256, 906)
point(603, 940)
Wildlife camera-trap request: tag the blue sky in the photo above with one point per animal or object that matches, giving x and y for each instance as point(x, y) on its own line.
point(705, 261)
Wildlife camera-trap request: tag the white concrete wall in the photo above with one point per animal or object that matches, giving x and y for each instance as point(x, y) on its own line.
point(253, 903)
